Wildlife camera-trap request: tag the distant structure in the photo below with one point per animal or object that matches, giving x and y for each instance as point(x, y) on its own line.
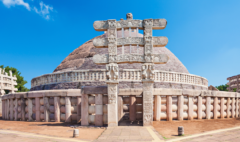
point(233, 83)
point(212, 88)
point(7, 82)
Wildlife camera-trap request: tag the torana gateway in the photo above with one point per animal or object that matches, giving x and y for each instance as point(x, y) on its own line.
point(121, 76)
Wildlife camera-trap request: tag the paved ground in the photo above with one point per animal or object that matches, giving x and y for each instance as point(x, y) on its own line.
point(129, 133)
point(224, 135)
point(15, 136)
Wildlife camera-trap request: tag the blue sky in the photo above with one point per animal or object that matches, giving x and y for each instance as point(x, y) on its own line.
point(35, 36)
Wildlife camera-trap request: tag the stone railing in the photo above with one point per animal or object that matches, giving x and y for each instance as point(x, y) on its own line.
point(90, 105)
point(7, 82)
point(124, 75)
point(180, 104)
point(87, 105)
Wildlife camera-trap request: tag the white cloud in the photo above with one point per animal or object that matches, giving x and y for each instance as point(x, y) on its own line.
point(44, 10)
point(9, 3)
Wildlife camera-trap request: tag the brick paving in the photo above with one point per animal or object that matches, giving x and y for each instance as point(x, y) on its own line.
point(226, 136)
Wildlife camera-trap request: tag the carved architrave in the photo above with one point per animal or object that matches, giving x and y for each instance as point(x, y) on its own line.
point(130, 58)
point(156, 41)
point(148, 23)
point(156, 24)
point(112, 24)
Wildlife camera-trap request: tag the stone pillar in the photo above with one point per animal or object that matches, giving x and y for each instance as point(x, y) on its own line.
point(237, 107)
point(3, 109)
point(78, 109)
point(37, 109)
point(99, 110)
point(190, 108)
point(68, 109)
point(120, 108)
point(11, 109)
point(46, 109)
point(147, 102)
point(208, 108)
point(222, 108)
point(8, 108)
point(169, 108)
point(132, 108)
point(180, 107)
point(23, 105)
point(84, 110)
point(30, 112)
point(112, 104)
point(16, 109)
point(57, 109)
point(233, 107)
point(228, 107)
point(157, 108)
point(215, 108)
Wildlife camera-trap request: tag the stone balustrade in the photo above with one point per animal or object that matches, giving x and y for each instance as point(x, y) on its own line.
point(90, 105)
point(7, 82)
point(180, 104)
point(124, 75)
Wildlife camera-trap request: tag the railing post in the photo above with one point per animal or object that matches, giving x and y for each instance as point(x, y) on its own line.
point(233, 107)
point(57, 109)
point(215, 108)
point(84, 110)
point(180, 107)
point(3, 109)
point(11, 109)
point(37, 108)
point(132, 108)
point(190, 108)
point(208, 107)
point(46, 109)
point(222, 108)
point(99, 110)
point(169, 108)
point(30, 112)
point(68, 109)
point(16, 109)
point(157, 108)
point(228, 107)
point(79, 109)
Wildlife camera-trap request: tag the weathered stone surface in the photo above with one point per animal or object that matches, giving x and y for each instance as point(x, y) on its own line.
point(81, 58)
point(157, 41)
point(94, 90)
point(130, 58)
point(156, 24)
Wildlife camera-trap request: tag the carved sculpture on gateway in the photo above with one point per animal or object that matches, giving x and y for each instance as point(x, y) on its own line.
point(112, 72)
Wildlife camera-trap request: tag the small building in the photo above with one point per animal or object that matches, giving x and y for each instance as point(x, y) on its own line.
point(233, 83)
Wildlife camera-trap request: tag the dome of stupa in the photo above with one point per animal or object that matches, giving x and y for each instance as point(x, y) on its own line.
point(81, 58)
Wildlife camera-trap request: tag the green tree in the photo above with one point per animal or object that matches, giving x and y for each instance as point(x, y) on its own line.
point(222, 87)
point(20, 80)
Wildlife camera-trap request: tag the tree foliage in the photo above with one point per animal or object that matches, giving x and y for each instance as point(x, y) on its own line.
point(222, 87)
point(20, 80)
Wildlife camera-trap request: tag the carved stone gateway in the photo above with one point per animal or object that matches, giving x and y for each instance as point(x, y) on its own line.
point(111, 60)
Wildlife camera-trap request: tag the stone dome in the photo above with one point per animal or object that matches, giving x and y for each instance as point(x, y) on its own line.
point(81, 58)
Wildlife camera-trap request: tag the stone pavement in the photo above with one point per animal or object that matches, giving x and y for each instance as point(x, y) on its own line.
point(15, 136)
point(129, 134)
point(224, 135)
